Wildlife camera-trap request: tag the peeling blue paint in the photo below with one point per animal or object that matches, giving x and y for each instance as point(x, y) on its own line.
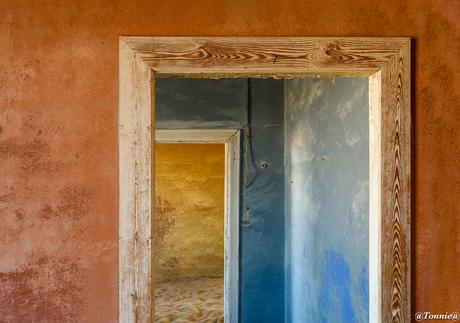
point(363, 288)
point(335, 295)
point(327, 203)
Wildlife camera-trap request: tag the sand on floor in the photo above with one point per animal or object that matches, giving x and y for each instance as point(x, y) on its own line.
point(190, 299)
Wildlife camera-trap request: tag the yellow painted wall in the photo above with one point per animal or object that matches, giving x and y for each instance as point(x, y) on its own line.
point(189, 210)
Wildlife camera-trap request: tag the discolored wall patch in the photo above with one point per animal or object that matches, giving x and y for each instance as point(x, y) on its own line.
point(56, 286)
point(164, 218)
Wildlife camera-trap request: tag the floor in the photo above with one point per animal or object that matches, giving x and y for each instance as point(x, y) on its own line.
point(190, 299)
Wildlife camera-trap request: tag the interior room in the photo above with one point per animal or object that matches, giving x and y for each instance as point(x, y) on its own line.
point(305, 198)
point(189, 231)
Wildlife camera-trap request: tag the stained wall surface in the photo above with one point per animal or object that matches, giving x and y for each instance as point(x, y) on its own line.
point(327, 200)
point(189, 210)
point(59, 128)
point(231, 104)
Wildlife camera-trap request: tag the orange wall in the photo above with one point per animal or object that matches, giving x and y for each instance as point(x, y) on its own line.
point(59, 149)
point(189, 210)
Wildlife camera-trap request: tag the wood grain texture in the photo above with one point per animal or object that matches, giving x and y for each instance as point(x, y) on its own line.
point(135, 187)
point(279, 56)
point(396, 188)
point(385, 60)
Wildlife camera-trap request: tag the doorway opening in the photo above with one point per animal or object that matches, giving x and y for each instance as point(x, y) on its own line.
point(305, 168)
point(196, 231)
point(385, 61)
point(189, 231)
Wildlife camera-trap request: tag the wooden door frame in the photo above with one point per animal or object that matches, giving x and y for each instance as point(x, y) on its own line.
point(386, 61)
point(231, 139)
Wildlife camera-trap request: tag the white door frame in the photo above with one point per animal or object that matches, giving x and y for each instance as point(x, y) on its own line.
point(387, 63)
point(231, 138)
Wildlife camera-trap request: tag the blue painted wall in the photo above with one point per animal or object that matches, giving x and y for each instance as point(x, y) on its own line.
point(225, 103)
point(304, 216)
point(327, 200)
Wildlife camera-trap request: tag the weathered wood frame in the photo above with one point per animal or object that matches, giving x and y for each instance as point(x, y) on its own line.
point(386, 61)
point(231, 139)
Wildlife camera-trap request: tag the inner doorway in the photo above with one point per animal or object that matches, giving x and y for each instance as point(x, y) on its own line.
point(189, 231)
point(196, 233)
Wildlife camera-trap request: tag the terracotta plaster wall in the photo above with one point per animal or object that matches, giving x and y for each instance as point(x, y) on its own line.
point(59, 150)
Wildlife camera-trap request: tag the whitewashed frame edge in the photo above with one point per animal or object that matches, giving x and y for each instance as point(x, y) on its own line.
point(135, 190)
point(142, 58)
